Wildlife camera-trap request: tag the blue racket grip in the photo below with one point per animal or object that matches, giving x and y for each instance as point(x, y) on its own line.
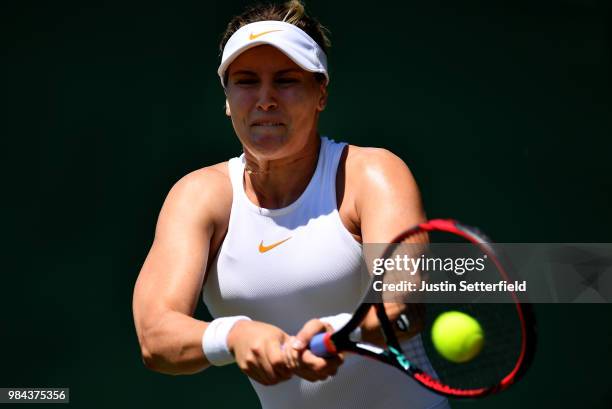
point(319, 345)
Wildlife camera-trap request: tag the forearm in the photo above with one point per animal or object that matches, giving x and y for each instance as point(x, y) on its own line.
point(172, 344)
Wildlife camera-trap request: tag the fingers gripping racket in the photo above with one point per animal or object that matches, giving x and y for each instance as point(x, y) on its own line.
point(407, 344)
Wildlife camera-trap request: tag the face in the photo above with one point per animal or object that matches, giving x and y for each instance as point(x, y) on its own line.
point(273, 103)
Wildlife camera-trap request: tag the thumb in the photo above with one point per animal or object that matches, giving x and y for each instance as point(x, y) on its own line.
point(310, 329)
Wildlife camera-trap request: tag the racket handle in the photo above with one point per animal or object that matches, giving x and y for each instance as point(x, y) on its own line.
point(321, 345)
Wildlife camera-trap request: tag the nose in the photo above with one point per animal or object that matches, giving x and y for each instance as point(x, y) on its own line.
point(267, 98)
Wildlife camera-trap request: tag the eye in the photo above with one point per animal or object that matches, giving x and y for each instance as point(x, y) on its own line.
point(245, 81)
point(287, 80)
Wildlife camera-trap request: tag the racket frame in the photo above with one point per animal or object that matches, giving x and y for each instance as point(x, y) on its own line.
point(393, 354)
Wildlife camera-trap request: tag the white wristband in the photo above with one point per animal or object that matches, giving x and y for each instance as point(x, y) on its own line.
point(339, 321)
point(214, 340)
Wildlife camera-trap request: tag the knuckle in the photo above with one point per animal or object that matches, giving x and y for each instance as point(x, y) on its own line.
point(252, 366)
point(290, 364)
point(257, 350)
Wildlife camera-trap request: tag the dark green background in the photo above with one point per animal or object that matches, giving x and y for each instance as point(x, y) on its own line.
point(503, 112)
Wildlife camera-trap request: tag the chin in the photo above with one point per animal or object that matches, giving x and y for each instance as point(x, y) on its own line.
point(267, 144)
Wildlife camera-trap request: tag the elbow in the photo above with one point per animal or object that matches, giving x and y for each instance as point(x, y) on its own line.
point(162, 351)
point(150, 348)
point(156, 361)
point(150, 352)
point(150, 360)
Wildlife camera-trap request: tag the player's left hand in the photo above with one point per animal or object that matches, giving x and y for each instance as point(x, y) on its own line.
point(304, 363)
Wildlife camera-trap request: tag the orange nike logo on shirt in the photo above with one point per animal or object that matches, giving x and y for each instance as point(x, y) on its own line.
point(263, 249)
point(254, 36)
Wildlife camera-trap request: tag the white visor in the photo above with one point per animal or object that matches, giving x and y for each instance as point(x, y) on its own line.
point(289, 39)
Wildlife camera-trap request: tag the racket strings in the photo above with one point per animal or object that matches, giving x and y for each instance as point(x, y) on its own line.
point(414, 350)
point(500, 322)
point(499, 354)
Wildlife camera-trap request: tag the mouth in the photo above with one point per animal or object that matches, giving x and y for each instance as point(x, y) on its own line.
point(267, 124)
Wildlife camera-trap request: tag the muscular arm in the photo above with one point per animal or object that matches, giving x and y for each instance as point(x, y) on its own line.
point(388, 199)
point(387, 203)
point(169, 284)
point(194, 219)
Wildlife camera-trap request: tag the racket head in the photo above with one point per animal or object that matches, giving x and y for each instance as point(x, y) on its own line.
point(509, 327)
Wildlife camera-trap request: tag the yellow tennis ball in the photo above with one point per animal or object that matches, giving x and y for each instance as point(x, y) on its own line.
point(457, 336)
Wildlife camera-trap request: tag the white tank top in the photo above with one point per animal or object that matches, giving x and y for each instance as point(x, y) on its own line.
point(286, 266)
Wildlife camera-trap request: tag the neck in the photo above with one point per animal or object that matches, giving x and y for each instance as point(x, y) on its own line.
point(277, 183)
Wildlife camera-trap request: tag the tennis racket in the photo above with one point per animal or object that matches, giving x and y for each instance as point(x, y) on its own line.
point(404, 328)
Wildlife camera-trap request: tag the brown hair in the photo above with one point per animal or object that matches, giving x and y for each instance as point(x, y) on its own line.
point(291, 12)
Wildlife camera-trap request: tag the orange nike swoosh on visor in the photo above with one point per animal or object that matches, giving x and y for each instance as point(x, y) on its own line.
point(263, 249)
point(254, 36)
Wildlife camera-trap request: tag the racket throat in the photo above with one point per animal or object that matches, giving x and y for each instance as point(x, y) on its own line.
point(387, 328)
point(399, 358)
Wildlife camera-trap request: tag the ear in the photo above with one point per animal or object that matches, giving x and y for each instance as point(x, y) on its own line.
point(227, 109)
point(323, 98)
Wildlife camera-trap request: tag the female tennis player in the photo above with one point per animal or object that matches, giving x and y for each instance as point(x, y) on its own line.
point(273, 238)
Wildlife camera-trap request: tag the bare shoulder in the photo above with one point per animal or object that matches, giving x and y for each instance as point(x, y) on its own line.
point(202, 184)
point(385, 195)
point(203, 195)
point(203, 180)
point(376, 166)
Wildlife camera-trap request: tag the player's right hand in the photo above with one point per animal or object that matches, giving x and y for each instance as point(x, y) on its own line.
point(257, 349)
point(303, 362)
